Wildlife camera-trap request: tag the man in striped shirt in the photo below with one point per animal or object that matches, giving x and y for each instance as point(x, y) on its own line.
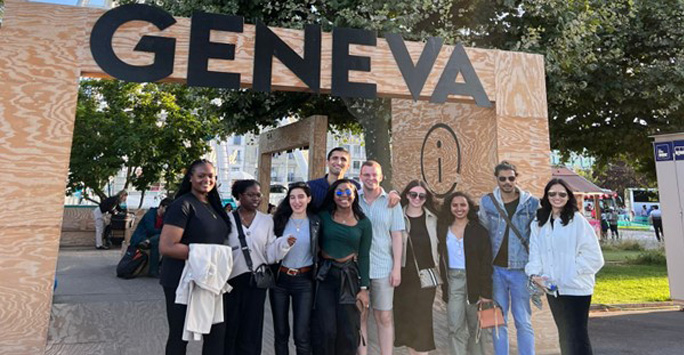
point(385, 254)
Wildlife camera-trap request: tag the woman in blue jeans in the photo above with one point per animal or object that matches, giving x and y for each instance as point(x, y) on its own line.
point(295, 274)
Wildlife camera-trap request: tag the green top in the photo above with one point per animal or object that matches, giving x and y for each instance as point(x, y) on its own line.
point(339, 240)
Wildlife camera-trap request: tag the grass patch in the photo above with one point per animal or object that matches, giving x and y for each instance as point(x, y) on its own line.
point(626, 279)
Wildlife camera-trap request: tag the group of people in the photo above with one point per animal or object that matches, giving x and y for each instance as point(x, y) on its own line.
point(340, 250)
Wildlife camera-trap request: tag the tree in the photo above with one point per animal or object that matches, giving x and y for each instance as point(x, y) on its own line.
point(152, 131)
point(614, 70)
point(618, 176)
point(244, 111)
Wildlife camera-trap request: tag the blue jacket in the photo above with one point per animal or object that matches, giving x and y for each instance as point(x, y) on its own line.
point(145, 228)
point(496, 225)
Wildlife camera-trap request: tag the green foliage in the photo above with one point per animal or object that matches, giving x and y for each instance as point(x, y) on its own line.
point(651, 257)
point(620, 175)
point(150, 130)
point(624, 245)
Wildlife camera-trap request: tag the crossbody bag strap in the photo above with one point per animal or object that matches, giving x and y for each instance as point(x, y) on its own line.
point(243, 241)
point(515, 230)
point(413, 251)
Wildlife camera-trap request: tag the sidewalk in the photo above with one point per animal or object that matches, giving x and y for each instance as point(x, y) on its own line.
point(96, 313)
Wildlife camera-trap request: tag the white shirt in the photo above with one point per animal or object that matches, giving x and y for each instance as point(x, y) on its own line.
point(456, 251)
point(263, 245)
point(569, 254)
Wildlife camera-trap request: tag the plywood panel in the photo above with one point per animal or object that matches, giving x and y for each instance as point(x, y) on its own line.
point(28, 258)
point(475, 129)
point(520, 85)
point(525, 142)
point(39, 76)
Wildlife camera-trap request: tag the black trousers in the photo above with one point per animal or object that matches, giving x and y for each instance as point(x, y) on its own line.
point(175, 314)
point(658, 227)
point(244, 317)
point(335, 327)
point(571, 314)
point(614, 231)
point(300, 289)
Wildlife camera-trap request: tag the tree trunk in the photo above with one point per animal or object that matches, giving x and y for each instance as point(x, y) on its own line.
point(375, 117)
point(142, 198)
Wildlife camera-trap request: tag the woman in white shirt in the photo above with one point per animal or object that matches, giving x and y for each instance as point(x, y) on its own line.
point(244, 307)
point(565, 253)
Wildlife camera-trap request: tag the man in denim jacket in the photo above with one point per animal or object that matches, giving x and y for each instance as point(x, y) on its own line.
point(510, 254)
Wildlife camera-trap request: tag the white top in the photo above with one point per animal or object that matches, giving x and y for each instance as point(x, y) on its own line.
point(570, 255)
point(263, 245)
point(456, 251)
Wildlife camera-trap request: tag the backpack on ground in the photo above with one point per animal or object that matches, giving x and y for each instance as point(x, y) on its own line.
point(132, 263)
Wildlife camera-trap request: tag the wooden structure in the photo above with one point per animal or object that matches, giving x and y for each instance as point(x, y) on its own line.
point(45, 50)
point(308, 133)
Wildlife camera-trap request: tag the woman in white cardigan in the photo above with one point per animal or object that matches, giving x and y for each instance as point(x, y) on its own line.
point(565, 252)
point(244, 308)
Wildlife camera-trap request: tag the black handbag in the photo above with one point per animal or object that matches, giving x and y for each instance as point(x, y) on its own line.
point(263, 276)
point(132, 263)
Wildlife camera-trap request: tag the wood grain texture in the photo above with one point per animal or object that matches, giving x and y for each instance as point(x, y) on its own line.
point(310, 132)
point(39, 74)
point(520, 85)
point(524, 141)
point(475, 129)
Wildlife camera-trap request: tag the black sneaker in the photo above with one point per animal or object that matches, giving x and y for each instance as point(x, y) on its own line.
point(102, 247)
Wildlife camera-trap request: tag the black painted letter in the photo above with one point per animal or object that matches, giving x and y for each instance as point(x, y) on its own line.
point(342, 63)
point(447, 85)
point(202, 49)
point(164, 49)
point(268, 45)
point(414, 75)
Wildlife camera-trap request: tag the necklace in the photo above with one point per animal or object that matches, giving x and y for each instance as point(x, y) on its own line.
point(343, 221)
point(298, 226)
point(244, 220)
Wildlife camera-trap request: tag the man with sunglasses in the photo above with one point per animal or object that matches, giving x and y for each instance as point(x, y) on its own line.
point(385, 254)
point(507, 214)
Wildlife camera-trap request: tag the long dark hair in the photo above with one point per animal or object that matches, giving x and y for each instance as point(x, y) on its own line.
point(213, 196)
point(568, 211)
point(429, 201)
point(284, 210)
point(447, 218)
point(329, 201)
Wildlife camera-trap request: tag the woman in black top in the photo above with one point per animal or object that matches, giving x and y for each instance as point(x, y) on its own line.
point(413, 304)
point(195, 216)
point(466, 263)
point(295, 274)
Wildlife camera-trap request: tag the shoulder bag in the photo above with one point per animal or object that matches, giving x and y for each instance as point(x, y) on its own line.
point(515, 230)
point(489, 315)
point(429, 277)
point(262, 277)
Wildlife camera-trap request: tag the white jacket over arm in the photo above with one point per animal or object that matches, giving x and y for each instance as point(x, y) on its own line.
point(201, 288)
point(570, 255)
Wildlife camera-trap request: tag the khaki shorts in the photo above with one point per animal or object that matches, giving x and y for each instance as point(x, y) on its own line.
point(381, 294)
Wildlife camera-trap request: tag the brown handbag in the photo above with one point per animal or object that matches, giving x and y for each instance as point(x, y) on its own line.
point(489, 315)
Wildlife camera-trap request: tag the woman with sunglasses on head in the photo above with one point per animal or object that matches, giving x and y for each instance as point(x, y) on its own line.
point(244, 309)
point(564, 258)
point(195, 216)
point(342, 278)
point(294, 217)
point(412, 303)
point(466, 262)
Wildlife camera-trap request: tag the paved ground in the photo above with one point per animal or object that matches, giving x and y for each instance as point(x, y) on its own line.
point(94, 312)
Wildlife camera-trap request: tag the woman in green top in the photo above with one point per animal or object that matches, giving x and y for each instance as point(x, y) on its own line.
point(342, 280)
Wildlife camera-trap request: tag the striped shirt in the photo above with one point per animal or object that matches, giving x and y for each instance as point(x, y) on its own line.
point(384, 221)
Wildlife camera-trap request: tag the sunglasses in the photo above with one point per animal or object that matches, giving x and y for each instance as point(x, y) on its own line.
point(503, 178)
point(420, 196)
point(347, 192)
point(560, 194)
